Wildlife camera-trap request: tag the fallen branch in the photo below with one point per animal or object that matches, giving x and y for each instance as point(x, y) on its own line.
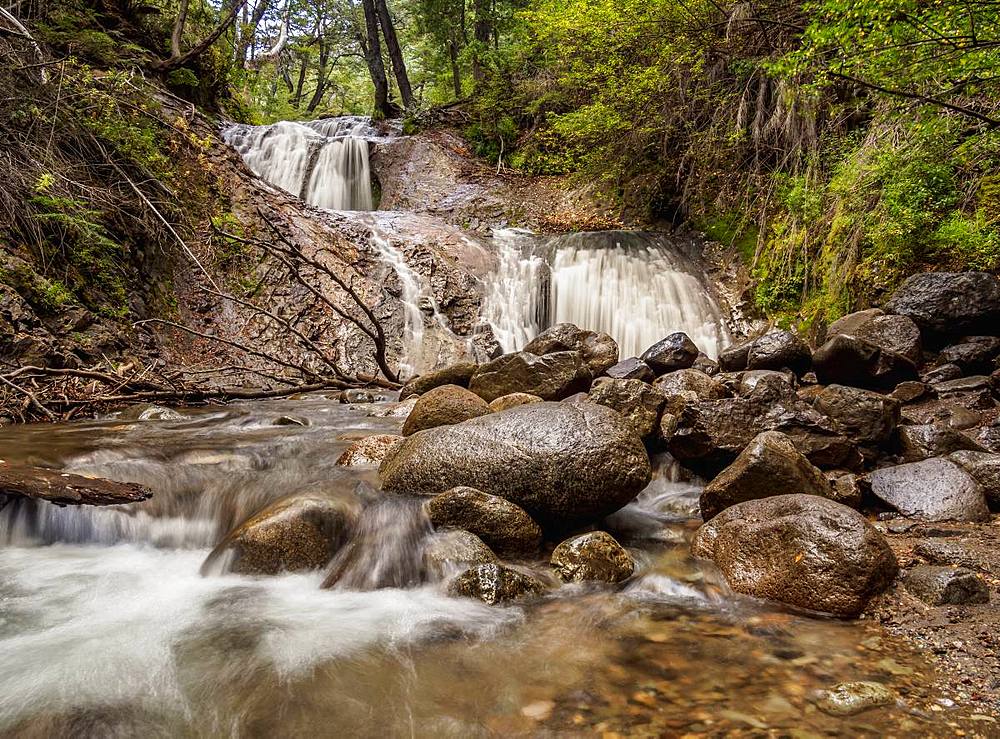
point(64, 488)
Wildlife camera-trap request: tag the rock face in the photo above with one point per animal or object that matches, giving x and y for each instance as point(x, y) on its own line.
point(933, 490)
point(593, 556)
point(799, 549)
point(454, 374)
point(945, 304)
point(563, 463)
point(638, 402)
point(632, 368)
point(494, 583)
point(551, 377)
point(369, 451)
point(777, 350)
point(445, 404)
point(300, 532)
point(512, 401)
point(503, 526)
point(770, 465)
point(674, 352)
point(866, 417)
point(599, 350)
point(450, 550)
point(985, 469)
point(938, 586)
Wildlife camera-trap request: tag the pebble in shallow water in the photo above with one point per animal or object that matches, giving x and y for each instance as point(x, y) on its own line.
point(848, 699)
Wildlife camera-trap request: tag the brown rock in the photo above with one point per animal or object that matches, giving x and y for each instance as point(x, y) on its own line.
point(494, 583)
point(506, 528)
point(592, 556)
point(551, 377)
point(369, 451)
point(442, 406)
point(454, 374)
point(638, 402)
point(512, 401)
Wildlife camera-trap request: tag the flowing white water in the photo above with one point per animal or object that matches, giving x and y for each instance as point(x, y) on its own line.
point(631, 285)
point(323, 162)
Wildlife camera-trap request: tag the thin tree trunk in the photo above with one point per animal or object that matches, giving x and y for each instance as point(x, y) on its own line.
point(300, 83)
point(248, 33)
point(175, 62)
point(322, 76)
point(456, 73)
point(373, 55)
point(177, 35)
point(395, 53)
point(482, 29)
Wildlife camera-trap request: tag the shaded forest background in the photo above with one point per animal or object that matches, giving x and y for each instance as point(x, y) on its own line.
point(836, 145)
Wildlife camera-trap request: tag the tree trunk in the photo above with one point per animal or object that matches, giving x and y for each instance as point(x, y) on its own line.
point(176, 36)
point(373, 55)
point(63, 488)
point(456, 73)
point(322, 76)
point(395, 53)
point(175, 62)
point(482, 29)
point(300, 83)
point(248, 33)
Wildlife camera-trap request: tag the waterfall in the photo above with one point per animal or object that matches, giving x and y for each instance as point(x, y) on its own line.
point(632, 285)
point(323, 162)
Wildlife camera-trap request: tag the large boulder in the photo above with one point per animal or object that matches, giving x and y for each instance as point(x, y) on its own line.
point(949, 304)
point(851, 360)
point(564, 463)
point(734, 358)
point(802, 550)
point(494, 583)
point(850, 323)
point(296, 533)
point(369, 451)
point(592, 556)
point(933, 490)
point(673, 352)
point(777, 350)
point(701, 385)
point(454, 374)
point(894, 335)
point(506, 528)
point(931, 440)
point(708, 435)
point(599, 350)
point(638, 402)
point(632, 368)
point(867, 418)
point(812, 433)
point(512, 401)
point(770, 465)
point(444, 405)
point(551, 377)
point(985, 469)
point(972, 354)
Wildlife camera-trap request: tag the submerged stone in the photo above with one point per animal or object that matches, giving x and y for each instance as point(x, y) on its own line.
point(494, 583)
point(593, 556)
point(848, 699)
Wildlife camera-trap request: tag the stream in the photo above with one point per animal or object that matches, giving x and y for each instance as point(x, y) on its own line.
point(107, 627)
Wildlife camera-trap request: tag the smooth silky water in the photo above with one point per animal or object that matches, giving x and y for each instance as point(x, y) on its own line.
point(107, 628)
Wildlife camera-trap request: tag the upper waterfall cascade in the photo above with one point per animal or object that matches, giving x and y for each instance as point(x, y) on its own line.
point(632, 285)
point(324, 162)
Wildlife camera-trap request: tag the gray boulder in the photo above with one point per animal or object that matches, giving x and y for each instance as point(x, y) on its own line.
point(638, 402)
point(593, 556)
point(599, 350)
point(494, 583)
point(551, 377)
point(734, 358)
point(454, 374)
point(893, 335)
point(932, 490)
point(949, 304)
point(853, 361)
point(506, 528)
point(708, 435)
point(850, 323)
point(777, 350)
point(939, 586)
point(632, 368)
point(770, 465)
point(985, 469)
point(700, 385)
point(802, 550)
point(563, 463)
point(674, 352)
point(445, 404)
point(931, 440)
point(973, 354)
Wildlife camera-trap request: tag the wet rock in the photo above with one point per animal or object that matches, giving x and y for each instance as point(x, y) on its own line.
point(355, 395)
point(494, 583)
point(984, 468)
point(812, 433)
point(599, 350)
point(769, 465)
point(299, 532)
point(803, 550)
point(850, 360)
point(708, 435)
point(973, 354)
point(454, 374)
point(444, 405)
point(563, 463)
point(706, 364)
point(638, 402)
point(148, 412)
point(700, 385)
point(512, 401)
point(949, 304)
point(850, 323)
point(777, 350)
point(767, 386)
point(735, 357)
point(960, 418)
point(939, 586)
point(290, 421)
point(962, 386)
point(394, 410)
point(593, 556)
point(454, 549)
point(866, 417)
point(932, 490)
point(674, 352)
point(931, 440)
point(630, 369)
point(955, 553)
point(369, 451)
point(503, 526)
point(845, 488)
point(941, 373)
point(893, 334)
point(907, 392)
point(848, 699)
point(551, 377)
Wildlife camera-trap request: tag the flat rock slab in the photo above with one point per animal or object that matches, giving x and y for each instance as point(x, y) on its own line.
point(65, 488)
point(933, 490)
